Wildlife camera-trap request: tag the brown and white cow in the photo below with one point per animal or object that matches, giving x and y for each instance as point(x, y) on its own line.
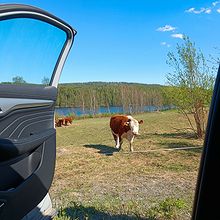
point(124, 126)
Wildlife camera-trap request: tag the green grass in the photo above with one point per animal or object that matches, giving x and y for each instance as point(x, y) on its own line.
point(170, 208)
point(94, 181)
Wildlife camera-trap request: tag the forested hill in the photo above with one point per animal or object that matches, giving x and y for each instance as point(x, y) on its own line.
point(95, 94)
point(99, 83)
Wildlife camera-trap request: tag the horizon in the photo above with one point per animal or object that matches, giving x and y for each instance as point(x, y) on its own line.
point(112, 82)
point(129, 40)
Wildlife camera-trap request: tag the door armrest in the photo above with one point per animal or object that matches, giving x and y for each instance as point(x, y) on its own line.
point(10, 148)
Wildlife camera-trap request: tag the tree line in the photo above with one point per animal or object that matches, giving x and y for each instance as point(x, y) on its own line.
point(103, 94)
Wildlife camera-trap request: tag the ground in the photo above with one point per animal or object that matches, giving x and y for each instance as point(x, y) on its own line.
point(95, 181)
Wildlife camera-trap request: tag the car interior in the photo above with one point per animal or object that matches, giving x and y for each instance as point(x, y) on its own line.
point(27, 131)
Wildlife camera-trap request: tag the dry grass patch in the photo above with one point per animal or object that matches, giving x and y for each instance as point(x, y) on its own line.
point(114, 183)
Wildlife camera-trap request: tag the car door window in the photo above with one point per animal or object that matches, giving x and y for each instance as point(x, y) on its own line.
point(29, 50)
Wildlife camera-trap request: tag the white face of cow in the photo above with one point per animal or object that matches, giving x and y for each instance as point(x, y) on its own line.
point(134, 125)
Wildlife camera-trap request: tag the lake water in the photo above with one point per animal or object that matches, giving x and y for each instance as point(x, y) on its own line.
point(113, 110)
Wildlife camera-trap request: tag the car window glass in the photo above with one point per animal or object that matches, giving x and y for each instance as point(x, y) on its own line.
point(29, 50)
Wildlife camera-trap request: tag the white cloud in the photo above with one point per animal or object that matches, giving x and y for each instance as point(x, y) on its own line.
point(215, 3)
point(190, 10)
point(166, 28)
point(208, 11)
point(193, 10)
point(218, 10)
point(165, 44)
point(177, 36)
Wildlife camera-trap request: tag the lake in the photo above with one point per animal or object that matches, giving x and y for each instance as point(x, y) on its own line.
point(102, 110)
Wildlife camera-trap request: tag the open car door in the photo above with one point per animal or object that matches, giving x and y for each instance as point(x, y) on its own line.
point(33, 47)
point(206, 205)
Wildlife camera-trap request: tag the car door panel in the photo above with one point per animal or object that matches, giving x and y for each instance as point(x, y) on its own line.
point(26, 118)
point(27, 133)
point(20, 198)
point(27, 151)
point(28, 92)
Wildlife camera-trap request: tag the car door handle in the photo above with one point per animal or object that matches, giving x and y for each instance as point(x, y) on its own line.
point(10, 148)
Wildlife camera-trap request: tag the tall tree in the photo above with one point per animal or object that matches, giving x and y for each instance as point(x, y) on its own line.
point(190, 84)
point(18, 80)
point(45, 81)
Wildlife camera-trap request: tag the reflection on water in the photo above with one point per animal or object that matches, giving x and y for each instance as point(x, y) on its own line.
point(102, 110)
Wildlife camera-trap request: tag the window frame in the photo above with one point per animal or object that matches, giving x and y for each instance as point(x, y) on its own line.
point(10, 11)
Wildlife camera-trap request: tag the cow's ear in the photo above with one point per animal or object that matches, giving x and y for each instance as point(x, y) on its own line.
point(141, 122)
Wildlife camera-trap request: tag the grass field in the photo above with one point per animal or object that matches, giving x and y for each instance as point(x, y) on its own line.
point(94, 181)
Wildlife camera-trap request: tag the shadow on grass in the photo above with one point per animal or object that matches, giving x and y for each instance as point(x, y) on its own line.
point(180, 145)
point(91, 213)
point(103, 149)
point(178, 135)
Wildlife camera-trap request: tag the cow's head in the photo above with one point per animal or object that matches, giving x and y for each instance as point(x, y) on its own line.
point(133, 125)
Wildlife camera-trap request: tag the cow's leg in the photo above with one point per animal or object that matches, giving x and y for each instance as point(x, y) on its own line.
point(115, 137)
point(131, 139)
point(117, 140)
point(120, 141)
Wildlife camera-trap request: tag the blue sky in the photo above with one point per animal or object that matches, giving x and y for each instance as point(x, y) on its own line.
point(25, 51)
point(128, 40)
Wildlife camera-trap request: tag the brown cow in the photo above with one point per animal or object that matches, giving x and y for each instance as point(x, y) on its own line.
point(63, 121)
point(68, 120)
point(124, 126)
